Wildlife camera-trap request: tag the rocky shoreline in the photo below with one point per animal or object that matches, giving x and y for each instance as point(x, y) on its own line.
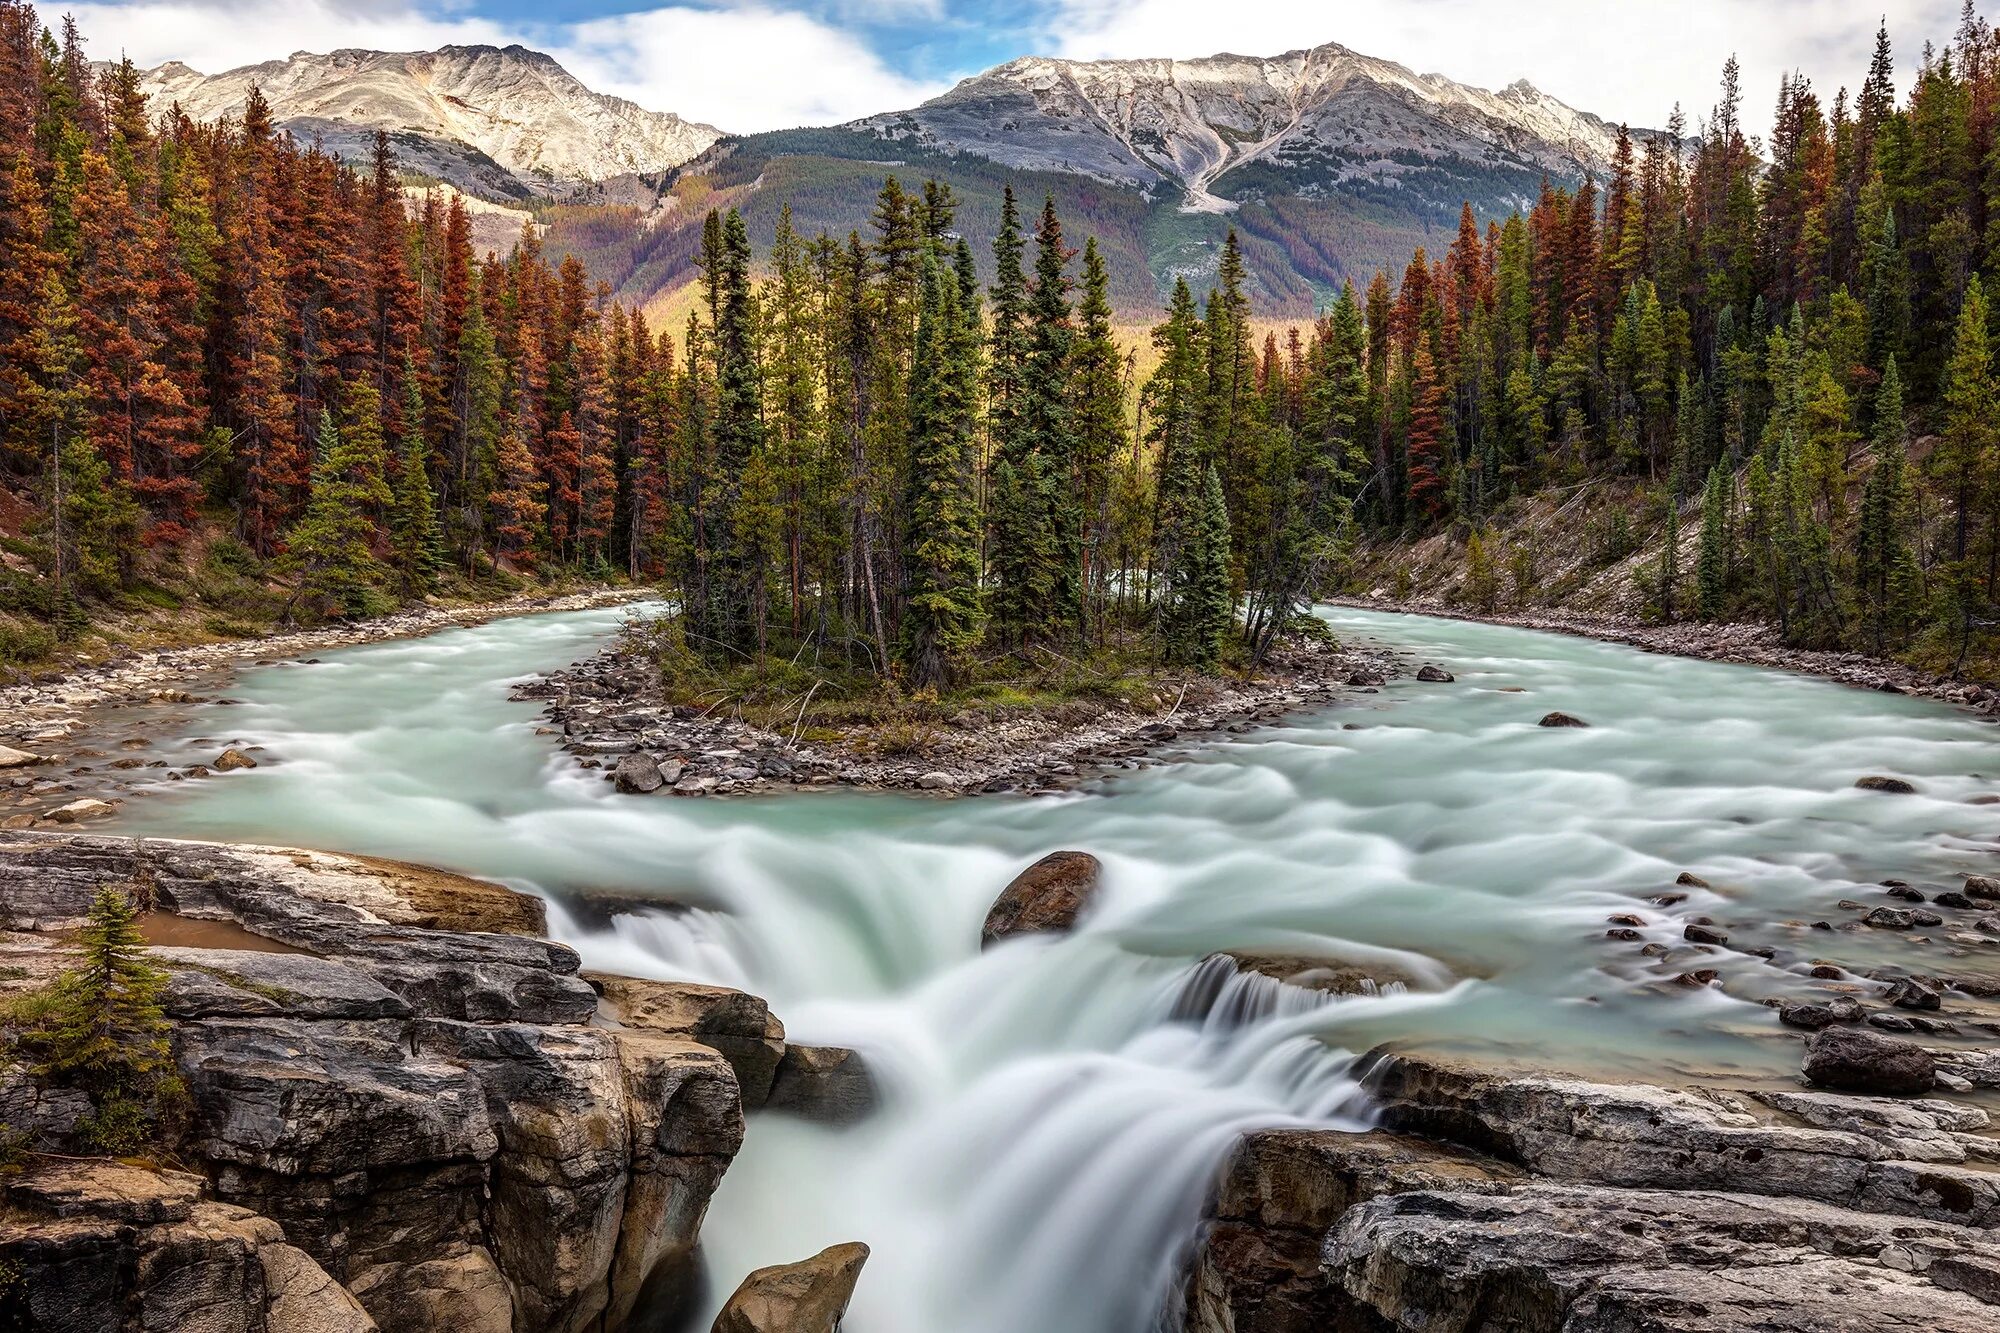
point(1741, 643)
point(609, 712)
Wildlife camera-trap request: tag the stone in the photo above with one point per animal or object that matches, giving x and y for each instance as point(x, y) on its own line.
point(829, 1084)
point(78, 812)
point(1814, 1016)
point(1909, 993)
point(1048, 896)
point(671, 771)
point(12, 758)
point(242, 983)
point(1360, 676)
point(232, 759)
point(1699, 934)
point(1958, 902)
point(738, 1026)
point(805, 1297)
point(637, 775)
point(1984, 887)
point(1890, 918)
point(1435, 675)
point(1856, 1060)
point(1689, 879)
point(1891, 786)
point(1559, 719)
point(937, 781)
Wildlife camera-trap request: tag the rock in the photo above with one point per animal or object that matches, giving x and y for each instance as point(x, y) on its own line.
point(1909, 993)
point(1435, 675)
point(1561, 720)
point(830, 1084)
point(78, 812)
point(671, 771)
point(1984, 887)
point(937, 781)
point(738, 1026)
point(1367, 676)
point(232, 759)
point(12, 758)
point(1904, 892)
point(241, 983)
point(637, 774)
point(1958, 902)
point(1890, 918)
point(1813, 1017)
point(1691, 880)
point(1048, 896)
point(1699, 934)
point(1590, 1260)
point(1855, 1060)
point(1893, 786)
point(805, 1297)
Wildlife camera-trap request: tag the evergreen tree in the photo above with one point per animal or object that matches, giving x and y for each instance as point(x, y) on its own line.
point(1885, 571)
point(1200, 609)
point(1712, 564)
point(416, 541)
point(941, 623)
point(331, 548)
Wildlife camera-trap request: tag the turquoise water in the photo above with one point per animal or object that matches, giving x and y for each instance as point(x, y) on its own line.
point(1051, 1126)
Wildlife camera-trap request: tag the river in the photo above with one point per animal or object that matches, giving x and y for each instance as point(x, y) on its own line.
point(1053, 1112)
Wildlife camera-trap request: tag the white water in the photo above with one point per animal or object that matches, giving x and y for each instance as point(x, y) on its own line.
point(1051, 1124)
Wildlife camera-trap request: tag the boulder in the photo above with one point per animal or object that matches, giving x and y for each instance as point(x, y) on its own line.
point(738, 1026)
point(1561, 720)
point(937, 780)
point(1049, 895)
point(1892, 786)
point(637, 775)
point(232, 759)
point(1984, 887)
point(1856, 1060)
point(1366, 676)
point(1435, 675)
point(82, 811)
point(1813, 1016)
point(12, 758)
point(805, 1297)
point(830, 1084)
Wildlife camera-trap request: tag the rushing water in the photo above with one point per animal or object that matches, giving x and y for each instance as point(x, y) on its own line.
point(1055, 1109)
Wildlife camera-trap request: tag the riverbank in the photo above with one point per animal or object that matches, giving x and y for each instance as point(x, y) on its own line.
point(1742, 643)
point(612, 712)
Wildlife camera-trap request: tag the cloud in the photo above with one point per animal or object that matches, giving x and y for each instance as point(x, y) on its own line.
point(743, 67)
point(1626, 61)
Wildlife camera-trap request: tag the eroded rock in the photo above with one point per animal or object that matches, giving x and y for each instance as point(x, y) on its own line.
point(1049, 895)
point(805, 1297)
point(1856, 1060)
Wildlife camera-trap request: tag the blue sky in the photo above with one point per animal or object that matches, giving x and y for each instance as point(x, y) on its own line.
point(762, 64)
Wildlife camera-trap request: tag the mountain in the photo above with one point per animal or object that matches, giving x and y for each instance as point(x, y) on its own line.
point(499, 122)
point(1230, 127)
point(1327, 163)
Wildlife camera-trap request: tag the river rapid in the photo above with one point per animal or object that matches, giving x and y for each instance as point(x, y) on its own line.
point(1055, 1109)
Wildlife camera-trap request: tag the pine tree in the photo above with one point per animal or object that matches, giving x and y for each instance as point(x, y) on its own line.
point(1964, 460)
point(1885, 571)
point(1200, 609)
point(101, 1029)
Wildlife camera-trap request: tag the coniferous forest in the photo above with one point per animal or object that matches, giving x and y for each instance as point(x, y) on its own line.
point(223, 350)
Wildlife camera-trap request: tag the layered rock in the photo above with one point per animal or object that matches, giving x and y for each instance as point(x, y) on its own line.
point(426, 1118)
point(1541, 1203)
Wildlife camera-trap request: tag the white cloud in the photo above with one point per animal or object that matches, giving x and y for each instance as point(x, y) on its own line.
point(215, 35)
point(1621, 59)
point(745, 67)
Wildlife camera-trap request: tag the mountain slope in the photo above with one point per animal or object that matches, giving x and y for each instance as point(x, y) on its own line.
point(1305, 122)
point(502, 122)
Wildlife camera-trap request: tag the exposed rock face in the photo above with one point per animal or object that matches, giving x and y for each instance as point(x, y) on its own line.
point(102, 1245)
point(426, 1114)
point(499, 122)
point(740, 1027)
point(1306, 119)
point(825, 1083)
point(1609, 1209)
point(805, 1297)
point(1048, 896)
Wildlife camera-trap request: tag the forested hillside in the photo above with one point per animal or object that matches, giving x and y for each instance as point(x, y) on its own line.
point(1792, 356)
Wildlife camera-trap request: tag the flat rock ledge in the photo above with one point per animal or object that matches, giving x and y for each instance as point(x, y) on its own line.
point(1552, 1205)
point(392, 1124)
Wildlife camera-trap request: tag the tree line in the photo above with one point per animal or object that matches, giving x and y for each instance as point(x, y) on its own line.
point(1787, 344)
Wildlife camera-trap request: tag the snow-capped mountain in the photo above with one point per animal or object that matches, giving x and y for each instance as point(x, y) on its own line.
point(497, 121)
point(1300, 123)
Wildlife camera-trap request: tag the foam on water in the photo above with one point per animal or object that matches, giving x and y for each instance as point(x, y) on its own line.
point(1055, 1109)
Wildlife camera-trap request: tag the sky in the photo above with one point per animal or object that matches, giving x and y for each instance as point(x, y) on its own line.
point(747, 65)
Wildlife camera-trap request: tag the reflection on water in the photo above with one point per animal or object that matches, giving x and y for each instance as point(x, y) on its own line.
point(1056, 1108)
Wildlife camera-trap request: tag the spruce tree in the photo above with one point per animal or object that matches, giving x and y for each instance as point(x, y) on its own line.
point(1200, 609)
point(331, 548)
point(416, 540)
point(1885, 571)
point(1712, 565)
point(941, 616)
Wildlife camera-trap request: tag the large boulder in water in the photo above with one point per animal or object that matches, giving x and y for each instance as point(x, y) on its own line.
point(1856, 1060)
point(806, 1297)
point(1048, 896)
